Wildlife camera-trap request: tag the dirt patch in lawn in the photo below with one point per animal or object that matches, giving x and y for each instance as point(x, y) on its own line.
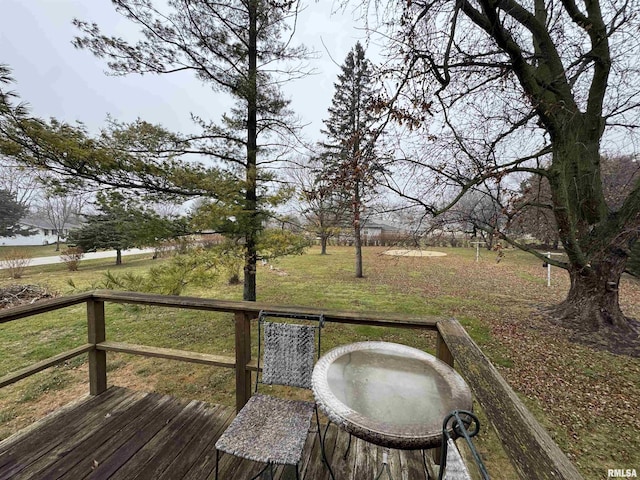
point(414, 253)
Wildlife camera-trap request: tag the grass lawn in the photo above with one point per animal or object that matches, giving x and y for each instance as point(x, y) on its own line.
point(34, 251)
point(587, 399)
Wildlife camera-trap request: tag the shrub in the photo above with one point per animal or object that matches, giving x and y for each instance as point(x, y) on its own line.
point(71, 257)
point(15, 261)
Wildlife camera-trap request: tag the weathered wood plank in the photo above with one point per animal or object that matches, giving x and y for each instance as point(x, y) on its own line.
point(317, 469)
point(48, 442)
point(131, 435)
point(365, 459)
point(312, 447)
point(245, 469)
point(533, 453)
point(395, 463)
point(243, 357)
point(444, 354)
point(172, 441)
point(145, 454)
point(412, 465)
point(80, 448)
point(168, 353)
point(96, 333)
point(43, 365)
point(12, 447)
point(331, 449)
point(229, 464)
point(144, 420)
point(254, 308)
point(344, 467)
point(206, 462)
point(197, 447)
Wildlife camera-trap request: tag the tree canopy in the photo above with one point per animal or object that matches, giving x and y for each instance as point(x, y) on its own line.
point(349, 150)
point(323, 207)
point(122, 223)
point(236, 47)
point(497, 91)
point(11, 212)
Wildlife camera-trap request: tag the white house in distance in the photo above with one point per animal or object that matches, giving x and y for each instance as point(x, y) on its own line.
point(374, 233)
point(44, 233)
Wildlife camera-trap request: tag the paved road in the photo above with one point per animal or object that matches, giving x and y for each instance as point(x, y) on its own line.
point(87, 256)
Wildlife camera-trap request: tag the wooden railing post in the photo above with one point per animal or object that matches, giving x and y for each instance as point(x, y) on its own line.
point(243, 357)
point(444, 355)
point(97, 358)
point(442, 351)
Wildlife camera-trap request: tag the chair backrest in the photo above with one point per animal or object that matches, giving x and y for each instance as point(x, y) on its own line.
point(289, 349)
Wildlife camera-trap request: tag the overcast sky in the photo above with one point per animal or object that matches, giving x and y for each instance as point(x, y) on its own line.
point(59, 81)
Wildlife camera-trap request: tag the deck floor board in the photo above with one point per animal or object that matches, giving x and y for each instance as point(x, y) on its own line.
point(123, 434)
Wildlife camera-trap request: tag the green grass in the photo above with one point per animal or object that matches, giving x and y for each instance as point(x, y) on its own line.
point(57, 381)
point(34, 251)
point(494, 302)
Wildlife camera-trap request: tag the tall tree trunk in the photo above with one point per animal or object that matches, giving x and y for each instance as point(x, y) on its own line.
point(597, 254)
point(323, 244)
point(596, 259)
point(251, 255)
point(357, 230)
point(592, 303)
point(358, 245)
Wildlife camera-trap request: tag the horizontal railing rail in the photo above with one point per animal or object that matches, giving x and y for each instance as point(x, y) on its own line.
point(530, 448)
point(254, 308)
point(532, 452)
point(243, 311)
point(43, 306)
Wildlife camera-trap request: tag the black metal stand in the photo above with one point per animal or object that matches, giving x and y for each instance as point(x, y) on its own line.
point(464, 424)
point(321, 439)
point(385, 465)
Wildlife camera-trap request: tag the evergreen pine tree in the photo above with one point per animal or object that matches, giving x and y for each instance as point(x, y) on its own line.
point(11, 212)
point(349, 150)
point(239, 47)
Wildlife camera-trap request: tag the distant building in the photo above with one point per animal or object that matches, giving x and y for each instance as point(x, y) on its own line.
point(43, 233)
point(374, 234)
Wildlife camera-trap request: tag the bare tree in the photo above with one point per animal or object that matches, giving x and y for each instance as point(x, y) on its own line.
point(60, 209)
point(497, 89)
point(535, 212)
point(324, 208)
point(19, 180)
point(481, 214)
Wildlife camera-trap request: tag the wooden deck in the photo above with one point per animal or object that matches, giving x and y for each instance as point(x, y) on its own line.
point(122, 434)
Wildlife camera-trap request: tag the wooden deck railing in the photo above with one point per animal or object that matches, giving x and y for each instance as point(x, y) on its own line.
point(531, 450)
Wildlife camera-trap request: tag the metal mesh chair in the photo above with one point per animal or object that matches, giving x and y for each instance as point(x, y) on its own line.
point(268, 429)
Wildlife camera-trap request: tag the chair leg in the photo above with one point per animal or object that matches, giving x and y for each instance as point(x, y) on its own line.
point(217, 462)
point(268, 466)
point(322, 450)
